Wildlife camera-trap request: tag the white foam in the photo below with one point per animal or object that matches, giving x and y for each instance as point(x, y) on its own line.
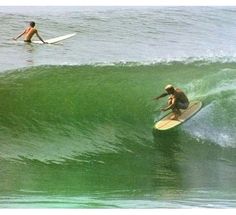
point(203, 126)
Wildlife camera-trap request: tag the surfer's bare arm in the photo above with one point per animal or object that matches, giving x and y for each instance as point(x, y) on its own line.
point(171, 103)
point(40, 38)
point(15, 38)
point(162, 95)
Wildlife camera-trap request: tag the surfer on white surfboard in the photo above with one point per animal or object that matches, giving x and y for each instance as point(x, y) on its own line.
point(29, 33)
point(176, 101)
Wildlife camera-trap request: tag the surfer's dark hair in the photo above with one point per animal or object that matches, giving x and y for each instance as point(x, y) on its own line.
point(32, 24)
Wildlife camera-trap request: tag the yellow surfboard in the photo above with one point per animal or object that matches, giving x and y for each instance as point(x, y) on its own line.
point(167, 123)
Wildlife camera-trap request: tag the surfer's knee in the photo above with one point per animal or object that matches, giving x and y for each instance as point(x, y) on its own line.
point(169, 101)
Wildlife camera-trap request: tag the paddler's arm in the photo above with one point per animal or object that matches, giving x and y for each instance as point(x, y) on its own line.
point(19, 35)
point(40, 38)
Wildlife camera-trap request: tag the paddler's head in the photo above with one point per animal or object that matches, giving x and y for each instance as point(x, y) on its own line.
point(32, 24)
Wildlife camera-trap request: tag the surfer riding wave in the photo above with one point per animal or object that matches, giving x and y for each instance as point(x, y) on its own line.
point(176, 101)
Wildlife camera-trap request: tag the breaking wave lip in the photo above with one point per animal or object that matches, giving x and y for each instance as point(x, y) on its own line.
point(201, 60)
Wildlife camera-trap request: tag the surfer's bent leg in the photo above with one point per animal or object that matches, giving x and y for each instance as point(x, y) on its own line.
point(169, 101)
point(176, 109)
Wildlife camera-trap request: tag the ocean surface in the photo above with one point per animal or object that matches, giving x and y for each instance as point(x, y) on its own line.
point(76, 118)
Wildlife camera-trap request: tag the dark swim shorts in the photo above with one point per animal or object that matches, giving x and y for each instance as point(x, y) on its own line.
point(182, 105)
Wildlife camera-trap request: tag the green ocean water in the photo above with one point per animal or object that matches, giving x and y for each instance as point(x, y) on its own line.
point(82, 137)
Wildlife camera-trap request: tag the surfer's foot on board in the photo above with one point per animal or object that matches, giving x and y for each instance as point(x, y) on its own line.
point(176, 115)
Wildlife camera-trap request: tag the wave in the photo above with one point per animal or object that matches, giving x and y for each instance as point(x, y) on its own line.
point(58, 113)
point(196, 60)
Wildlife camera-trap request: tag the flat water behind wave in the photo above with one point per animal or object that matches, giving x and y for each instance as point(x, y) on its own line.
point(118, 34)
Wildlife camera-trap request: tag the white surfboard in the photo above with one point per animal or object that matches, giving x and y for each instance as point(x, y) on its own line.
point(55, 40)
point(167, 123)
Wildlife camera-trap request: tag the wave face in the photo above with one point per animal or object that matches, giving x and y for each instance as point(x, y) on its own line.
point(87, 131)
